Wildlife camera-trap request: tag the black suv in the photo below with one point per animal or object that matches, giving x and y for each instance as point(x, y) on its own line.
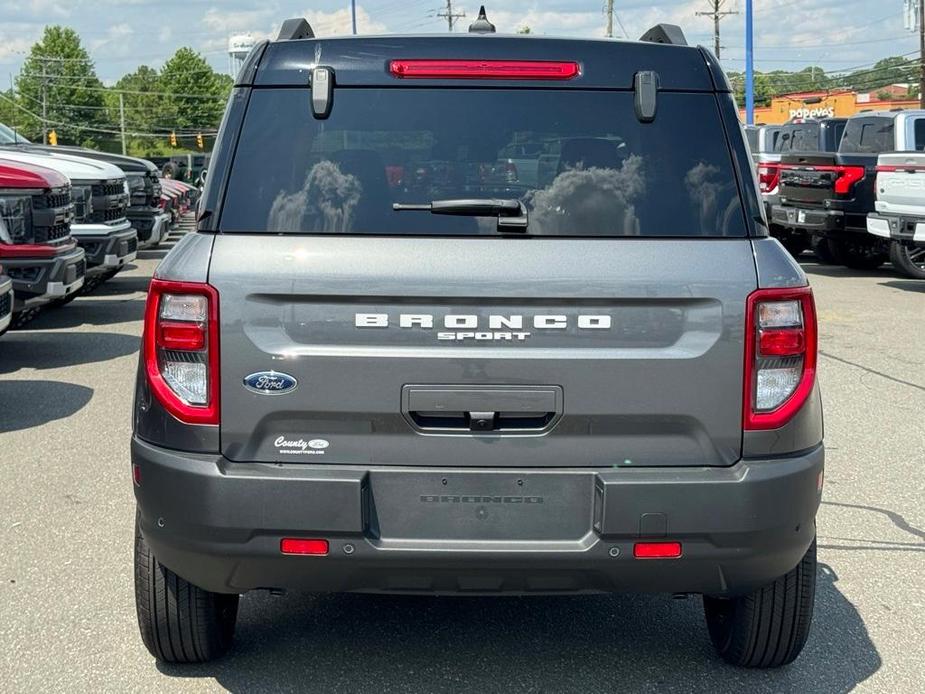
point(479, 315)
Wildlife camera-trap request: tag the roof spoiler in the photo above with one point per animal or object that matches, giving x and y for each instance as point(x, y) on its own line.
point(665, 33)
point(296, 28)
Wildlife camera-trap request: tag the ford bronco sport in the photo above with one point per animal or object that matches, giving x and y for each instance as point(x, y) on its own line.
point(379, 366)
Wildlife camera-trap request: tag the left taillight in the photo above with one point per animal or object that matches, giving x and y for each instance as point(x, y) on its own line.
point(780, 355)
point(768, 177)
point(181, 345)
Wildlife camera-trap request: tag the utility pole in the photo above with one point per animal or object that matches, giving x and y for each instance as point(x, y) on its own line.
point(921, 53)
point(451, 17)
point(44, 102)
point(353, 16)
point(122, 120)
point(609, 19)
point(717, 13)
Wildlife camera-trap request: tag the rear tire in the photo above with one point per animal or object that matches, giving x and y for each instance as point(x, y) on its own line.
point(820, 246)
point(908, 260)
point(858, 255)
point(768, 627)
point(179, 622)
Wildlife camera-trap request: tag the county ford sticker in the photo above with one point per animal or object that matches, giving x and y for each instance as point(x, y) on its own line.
point(291, 445)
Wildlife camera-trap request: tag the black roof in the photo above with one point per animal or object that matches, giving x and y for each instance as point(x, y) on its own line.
point(364, 61)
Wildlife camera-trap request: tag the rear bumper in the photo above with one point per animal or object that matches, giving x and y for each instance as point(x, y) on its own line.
point(808, 219)
point(40, 279)
point(6, 302)
point(905, 229)
point(442, 530)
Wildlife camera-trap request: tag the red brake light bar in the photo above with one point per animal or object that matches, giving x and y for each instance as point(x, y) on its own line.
point(485, 69)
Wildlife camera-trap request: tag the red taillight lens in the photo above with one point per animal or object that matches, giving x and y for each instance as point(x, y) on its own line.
point(657, 550)
point(780, 355)
point(781, 343)
point(768, 177)
point(181, 336)
point(296, 545)
point(485, 69)
point(847, 177)
point(180, 346)
point(901, 168)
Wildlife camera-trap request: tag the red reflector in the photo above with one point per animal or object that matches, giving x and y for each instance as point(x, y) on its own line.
point(781, 343)
point(179, 335)
point(294, 545)
point(484, 69)
point(136, 474)
point(657, 550)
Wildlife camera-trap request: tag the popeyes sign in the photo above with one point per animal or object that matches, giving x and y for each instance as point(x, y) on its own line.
point(821, 112)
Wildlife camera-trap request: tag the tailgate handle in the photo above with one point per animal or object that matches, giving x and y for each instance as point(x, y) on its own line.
point(482, 409)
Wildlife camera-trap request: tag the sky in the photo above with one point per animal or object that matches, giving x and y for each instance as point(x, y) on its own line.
point(120, 35)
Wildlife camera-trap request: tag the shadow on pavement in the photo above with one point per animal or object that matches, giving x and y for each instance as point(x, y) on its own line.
point(122, 285)
point(85, 312)
point(26, 404)
point(907, 285)
point(362, 643)
point(54, 350)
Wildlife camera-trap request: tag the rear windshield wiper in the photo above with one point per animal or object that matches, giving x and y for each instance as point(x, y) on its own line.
point(512, 214)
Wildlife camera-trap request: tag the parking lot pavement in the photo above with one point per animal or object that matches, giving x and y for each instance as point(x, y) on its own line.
point(67, 618)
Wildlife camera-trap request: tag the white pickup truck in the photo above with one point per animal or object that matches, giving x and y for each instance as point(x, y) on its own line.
point(900, 210)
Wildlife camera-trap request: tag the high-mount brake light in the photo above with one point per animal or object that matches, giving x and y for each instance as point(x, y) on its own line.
point(180, 346)
point(485, 69)
point(780, 355)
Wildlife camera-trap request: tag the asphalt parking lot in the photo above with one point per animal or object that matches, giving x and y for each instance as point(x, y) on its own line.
point(67, 615)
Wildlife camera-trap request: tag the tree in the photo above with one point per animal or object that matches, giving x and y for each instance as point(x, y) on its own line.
point(524, 30)
point(58, 73)
point(194, 94)
point(143, 106)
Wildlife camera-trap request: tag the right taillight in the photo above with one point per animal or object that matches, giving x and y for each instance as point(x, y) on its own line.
point(768, 177)
point(181, 349)
point(780, 355)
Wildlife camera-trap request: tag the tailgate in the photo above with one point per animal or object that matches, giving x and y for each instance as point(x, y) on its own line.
point(901, 183)
point(482, 352)
point(807, 179)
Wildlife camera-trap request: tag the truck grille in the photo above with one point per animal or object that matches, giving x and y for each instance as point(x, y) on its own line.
point(53, 199)
point(52, 234)
point(133, 244)
point(110, 215)
point(108, 188)
point(6, 304)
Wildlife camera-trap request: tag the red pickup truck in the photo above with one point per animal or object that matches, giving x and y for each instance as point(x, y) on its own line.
point(36, 249)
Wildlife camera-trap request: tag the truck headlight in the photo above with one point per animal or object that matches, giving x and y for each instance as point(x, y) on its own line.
point(16, 217)
point(83, 202)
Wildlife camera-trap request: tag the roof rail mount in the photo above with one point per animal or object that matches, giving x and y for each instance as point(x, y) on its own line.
point(295, 28)
point(481, 25)
point(665, 33)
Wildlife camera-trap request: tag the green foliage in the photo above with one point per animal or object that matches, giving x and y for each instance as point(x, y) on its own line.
point(59, 71)
point(195, 94)
point(524, 30)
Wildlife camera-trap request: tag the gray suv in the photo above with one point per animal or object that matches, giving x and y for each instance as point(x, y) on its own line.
point(378, 366)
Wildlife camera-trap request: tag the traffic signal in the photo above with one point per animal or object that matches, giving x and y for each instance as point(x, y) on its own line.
point(199, 141)
point(53, 138)
point(173, 139)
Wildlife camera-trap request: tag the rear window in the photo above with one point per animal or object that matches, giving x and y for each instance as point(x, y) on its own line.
point(799, 138)
point(751, 135)
point(867, 136)
point(580, 161)
point(919, 133)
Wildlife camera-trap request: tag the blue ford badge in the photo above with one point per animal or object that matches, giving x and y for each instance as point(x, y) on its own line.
point(270, 383)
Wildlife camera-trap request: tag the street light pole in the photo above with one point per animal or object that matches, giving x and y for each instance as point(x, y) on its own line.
point(749, 67)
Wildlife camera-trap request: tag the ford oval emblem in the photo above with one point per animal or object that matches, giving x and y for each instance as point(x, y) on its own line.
point(270, 383)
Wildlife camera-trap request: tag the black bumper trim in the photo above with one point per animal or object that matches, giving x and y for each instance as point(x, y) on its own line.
point(63, 270)
point(218, 524)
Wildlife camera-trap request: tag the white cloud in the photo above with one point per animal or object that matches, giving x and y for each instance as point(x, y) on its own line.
point(339, 22)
